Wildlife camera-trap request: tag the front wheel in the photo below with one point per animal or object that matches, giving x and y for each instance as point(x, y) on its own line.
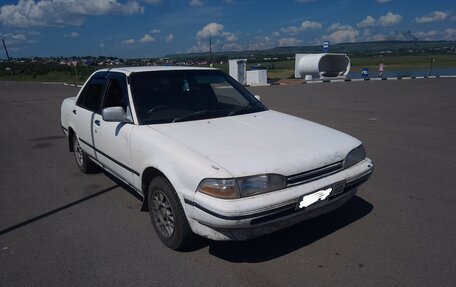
point(167, 215)
point(82, 160)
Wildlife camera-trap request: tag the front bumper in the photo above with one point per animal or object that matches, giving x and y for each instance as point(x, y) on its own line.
point(250, 217)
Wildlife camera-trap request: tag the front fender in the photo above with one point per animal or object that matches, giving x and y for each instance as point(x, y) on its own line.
point(183, 167)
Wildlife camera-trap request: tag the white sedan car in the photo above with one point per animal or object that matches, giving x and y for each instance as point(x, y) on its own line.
point(206, 155)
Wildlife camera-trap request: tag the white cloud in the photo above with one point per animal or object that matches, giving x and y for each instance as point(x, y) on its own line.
point(261, 43)
point(155, 31)
point(341, 36)
point(435, 16)
point(305, 26)
point(382, 1)
point(147, 39)
point(308, 25)
point(196, 3)
point(292, 30)
point(369, 21)
point(169, 38)
point(210, 30)
point(229, 37)
point(427, 36)
point(221, 40)
point(128, 42)
point(13, 39)
point(102, 45)
point(450, 34)
point(71, 35)
point(33, 33)
point(232, 47)
point(390, 19)
point(337, 26)
point(200, 46)
point(284, 42)
point(27, 13)
point(378, 38)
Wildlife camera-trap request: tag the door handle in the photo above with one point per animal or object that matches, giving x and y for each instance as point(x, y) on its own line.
point(97, 122)
point(74, 111)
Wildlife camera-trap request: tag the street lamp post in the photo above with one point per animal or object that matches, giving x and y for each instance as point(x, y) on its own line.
point(210, 52)
point(75, 63)
point(9, 60)
point(430, 67)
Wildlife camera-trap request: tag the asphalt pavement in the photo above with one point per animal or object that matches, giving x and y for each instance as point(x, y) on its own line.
point(59, 227)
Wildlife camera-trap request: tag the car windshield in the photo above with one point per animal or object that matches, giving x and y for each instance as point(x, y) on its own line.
point(186, 95)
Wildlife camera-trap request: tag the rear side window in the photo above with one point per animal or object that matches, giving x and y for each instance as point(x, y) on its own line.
point(92, 94)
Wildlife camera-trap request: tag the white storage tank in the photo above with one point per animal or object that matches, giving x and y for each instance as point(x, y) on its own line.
point(257, 77)
point(237, 68)
point(325, 65)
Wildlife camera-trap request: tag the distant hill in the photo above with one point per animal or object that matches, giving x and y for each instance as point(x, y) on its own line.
point(363, 48)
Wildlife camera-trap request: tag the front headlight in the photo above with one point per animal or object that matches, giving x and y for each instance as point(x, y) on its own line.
point(242, 187)
point(221, 188)
point(355, 156)
point(253, 185)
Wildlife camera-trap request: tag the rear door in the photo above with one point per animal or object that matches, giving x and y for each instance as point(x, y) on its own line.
point(87, 106)
point(113, 139)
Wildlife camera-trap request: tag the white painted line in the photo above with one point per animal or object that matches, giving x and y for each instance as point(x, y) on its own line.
point(377, 79)
point(51, 83)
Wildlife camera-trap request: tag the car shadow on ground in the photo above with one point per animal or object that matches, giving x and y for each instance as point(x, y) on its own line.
point(56, 210)
point(288, 240)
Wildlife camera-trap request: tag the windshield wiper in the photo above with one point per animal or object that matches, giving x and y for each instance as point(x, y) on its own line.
point(197, 114)
point(243, 109)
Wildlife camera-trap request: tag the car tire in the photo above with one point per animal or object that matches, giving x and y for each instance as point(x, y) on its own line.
point(167, 215)
point(84, 163)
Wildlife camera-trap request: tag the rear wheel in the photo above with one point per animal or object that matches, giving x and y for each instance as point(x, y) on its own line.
point(167, 215)
point(84, 163)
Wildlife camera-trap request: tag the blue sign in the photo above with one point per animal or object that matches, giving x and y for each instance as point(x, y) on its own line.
point(325, 46)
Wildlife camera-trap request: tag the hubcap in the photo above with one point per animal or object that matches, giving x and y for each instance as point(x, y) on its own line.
point(78, 153)
point(162, 214)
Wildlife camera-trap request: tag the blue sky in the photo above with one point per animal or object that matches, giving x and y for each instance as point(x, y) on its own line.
point(153, 28)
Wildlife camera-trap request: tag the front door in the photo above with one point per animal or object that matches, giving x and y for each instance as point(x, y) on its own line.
point(86, 109)
point(112, 139)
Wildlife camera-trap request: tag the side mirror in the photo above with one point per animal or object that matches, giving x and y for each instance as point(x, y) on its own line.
point(258, 98)
point(115, 114)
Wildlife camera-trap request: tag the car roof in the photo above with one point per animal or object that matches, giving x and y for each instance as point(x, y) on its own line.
point(129, 70)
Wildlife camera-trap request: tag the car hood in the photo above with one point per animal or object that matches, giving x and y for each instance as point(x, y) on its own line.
point(264, 142)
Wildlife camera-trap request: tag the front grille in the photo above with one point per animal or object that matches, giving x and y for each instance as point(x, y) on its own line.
point(314, 174)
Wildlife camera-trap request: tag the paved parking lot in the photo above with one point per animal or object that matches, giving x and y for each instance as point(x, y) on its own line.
point(59, 227)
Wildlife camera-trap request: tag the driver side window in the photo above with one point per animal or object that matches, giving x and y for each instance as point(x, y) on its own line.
point(90, 98)
point(117, 95)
